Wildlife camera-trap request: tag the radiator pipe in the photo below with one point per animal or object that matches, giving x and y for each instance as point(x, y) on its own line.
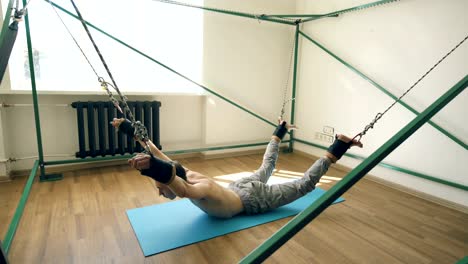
point(101, 129)
point(91, 130)
point(81, 138)
point(110, 130)
point(155, 108)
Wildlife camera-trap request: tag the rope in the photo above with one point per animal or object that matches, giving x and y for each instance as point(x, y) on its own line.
point(379, 115)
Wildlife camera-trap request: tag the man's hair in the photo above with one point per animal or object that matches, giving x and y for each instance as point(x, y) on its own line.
point(180, 171)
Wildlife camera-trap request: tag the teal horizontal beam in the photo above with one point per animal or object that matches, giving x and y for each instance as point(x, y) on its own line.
point(229, 12)
point(356, 8)
point(293, 15)
point(442, 130)
point(164, 66)
point(19, 209)
point(171, 152)
point(218, 148)
point(72, 161)
point(310, 213)
point(393, 167)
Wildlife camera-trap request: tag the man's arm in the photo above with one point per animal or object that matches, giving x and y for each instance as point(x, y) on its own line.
point(154, 150)
point(125, 126)
point(185, 189)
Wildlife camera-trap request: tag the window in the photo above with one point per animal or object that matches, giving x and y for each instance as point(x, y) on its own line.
point(170, 34)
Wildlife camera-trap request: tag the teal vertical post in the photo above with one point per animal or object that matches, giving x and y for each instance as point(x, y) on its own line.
point(311, 212)
point(293, 95)
point(34, 93)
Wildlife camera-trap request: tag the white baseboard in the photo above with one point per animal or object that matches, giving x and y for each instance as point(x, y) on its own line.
point(88, 165)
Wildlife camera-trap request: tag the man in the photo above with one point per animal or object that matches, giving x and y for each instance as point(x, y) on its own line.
point(250, 195)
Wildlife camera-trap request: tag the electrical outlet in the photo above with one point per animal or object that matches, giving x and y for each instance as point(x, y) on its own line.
point(328, 130)
point(323, 137)
point(330, 139)
point(317, 135)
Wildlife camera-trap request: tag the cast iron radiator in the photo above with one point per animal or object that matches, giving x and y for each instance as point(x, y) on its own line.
point(97, 137)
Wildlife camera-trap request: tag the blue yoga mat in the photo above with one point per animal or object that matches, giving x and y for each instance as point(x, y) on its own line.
point(167, 226)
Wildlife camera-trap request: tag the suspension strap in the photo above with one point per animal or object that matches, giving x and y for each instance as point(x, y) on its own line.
point(379, 115)
point(141, 132)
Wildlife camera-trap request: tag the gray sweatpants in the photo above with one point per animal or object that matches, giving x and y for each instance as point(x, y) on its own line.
point(257, 196)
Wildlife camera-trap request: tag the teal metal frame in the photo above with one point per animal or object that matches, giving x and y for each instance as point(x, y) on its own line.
point(6, 20)
point(310, 213)
point(445, 132)
point(291, 228)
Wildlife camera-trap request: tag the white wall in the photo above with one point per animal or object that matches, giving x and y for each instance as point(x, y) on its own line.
point(244, 60)
point(247, 61)
point(394, 45)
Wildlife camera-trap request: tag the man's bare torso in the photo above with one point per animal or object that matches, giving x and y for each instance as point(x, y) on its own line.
point(219, 201)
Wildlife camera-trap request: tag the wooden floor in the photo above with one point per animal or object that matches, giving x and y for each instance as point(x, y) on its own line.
point(82, 219)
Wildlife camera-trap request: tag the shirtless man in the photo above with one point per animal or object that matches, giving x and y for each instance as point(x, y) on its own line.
point(250, 195)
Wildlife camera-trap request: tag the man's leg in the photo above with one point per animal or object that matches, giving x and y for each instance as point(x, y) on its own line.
point(269, 162)
point(269, 197)
point(268, 165)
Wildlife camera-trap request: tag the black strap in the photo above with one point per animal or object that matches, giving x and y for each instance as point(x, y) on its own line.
point(339, 147)
point(281, 130)
point(127, 128)
point(162, 170)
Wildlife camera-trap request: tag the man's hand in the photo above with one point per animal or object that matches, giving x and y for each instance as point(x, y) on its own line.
point(348, 139)
point(281, 130)
point(116, 122)
point(288, 126)
point(140, 161)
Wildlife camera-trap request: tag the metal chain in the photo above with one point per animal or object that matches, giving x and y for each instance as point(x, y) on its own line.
point(379, 115)
point(286, 86)
point(350, 10)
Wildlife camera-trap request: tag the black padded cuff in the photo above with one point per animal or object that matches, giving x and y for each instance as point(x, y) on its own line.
point(160, 170)
point(281, 130)
point(339, 147)
point(163, 171)
point(127, 128)
point(180, 171)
